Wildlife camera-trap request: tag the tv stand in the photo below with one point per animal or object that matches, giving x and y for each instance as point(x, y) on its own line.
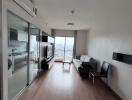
point(47, 51)
point(47, 63)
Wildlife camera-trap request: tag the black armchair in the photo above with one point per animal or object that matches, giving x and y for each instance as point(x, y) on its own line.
point(87, 67)
point(104, 72)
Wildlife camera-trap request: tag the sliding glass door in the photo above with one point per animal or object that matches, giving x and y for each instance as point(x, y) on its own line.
point(17, 54)
point(33, 53)
point(59, 48)
point(23, 54)
point(69, 44)
point(64, 48)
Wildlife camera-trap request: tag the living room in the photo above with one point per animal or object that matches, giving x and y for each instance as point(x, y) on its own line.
point(53, 50)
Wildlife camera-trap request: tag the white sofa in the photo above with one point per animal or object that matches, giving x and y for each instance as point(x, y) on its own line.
point(83, 58)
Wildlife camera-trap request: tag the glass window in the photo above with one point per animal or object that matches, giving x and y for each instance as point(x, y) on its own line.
point(64, 48)
point(34, 53)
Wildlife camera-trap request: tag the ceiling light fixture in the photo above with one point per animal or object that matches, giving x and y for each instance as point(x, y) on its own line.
point(71, 24)
point(72, 11)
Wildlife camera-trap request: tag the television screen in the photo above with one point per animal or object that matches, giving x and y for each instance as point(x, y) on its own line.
point(49, 51)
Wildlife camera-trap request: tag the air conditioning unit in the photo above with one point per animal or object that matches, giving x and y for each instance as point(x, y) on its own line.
point(27, 6)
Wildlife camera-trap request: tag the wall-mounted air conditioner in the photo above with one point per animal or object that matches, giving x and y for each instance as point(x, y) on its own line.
point(27, 6)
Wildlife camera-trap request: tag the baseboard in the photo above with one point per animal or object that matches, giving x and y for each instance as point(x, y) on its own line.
point(110, 89)
point(20, 93)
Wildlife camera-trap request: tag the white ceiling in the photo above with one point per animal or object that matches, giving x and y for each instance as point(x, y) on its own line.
point(88, 13)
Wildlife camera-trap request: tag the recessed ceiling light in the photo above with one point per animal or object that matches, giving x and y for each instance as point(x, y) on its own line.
point(71, 24)
point(72, 11)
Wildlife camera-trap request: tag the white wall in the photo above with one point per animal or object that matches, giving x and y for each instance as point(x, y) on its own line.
point(38, 21)
point(81, 47)
point(114, 36)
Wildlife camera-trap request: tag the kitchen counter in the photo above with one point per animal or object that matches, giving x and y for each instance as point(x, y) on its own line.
point(17, 53)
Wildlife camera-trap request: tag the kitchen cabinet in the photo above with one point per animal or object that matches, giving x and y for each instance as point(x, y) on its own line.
point(22, 36)
point(18, 35)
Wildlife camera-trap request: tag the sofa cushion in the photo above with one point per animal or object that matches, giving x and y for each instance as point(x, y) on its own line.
point(82, 58)
point(87, 59)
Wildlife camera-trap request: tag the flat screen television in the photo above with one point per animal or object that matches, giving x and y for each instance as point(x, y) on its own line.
point(48, 51)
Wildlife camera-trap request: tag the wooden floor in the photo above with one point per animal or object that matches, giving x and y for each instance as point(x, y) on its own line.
point(64, 83)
